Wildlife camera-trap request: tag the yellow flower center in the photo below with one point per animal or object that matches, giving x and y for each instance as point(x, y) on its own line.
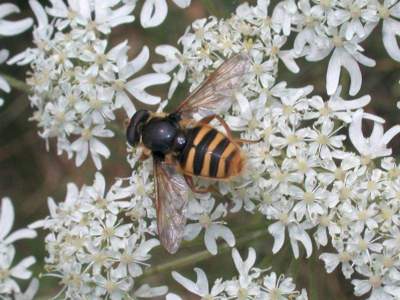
point(309, 197)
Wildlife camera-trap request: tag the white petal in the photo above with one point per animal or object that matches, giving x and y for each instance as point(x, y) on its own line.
point(333, 73)
point(4, 53)
point(202, 281)
point(99, 183)
point(390, 29)
point(6, 217)
point(355, 133)
point(9, 28)
point(20, 270)
point(4, 86)
point(40, 13)
point(188, 284)
point(153, 13)
point(353, 68)
point(147, 80)
point(182, 3)
point(8, 9)
point(139, 61)
point(172, 296)
point(278, 232)
point(287, 57)
point(390, 134)
point(20, 234)
point(192, 231)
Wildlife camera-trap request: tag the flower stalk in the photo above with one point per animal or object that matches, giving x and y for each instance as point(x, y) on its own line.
point(200, 256)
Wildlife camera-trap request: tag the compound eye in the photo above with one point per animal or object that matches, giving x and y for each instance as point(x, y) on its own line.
point(132, 135)
point(134, 129)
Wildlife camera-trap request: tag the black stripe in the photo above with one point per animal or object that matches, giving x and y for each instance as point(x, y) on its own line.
point(190, 136)
point(216, 156)
point(201, 150)
point(228, 161)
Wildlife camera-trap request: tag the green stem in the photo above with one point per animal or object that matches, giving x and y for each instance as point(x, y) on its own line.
point(16, 83)
point(199, 256)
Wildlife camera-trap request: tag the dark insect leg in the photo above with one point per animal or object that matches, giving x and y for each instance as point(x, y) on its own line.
point(190, 183)
point(209, 118)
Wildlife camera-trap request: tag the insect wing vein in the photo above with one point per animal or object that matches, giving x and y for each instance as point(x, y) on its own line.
point(171, 202)
point(215, 94)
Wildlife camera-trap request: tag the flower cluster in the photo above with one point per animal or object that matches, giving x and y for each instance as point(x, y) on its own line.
point(301, 176)
point(251, 283)
point(99, 241)
point(320, 29)
point(79, 80)
point(10, 274)
point(10, 28)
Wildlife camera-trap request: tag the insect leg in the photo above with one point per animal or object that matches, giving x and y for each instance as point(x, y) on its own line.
point(209, 118)
point(190, 183)
point(145, 153)
point(244, 141)
point(228, 130)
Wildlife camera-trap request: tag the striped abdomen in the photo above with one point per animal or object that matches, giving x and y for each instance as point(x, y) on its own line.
point(209, 153)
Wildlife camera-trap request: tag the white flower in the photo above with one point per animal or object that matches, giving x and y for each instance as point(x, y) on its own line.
point(277, 288)
point(106, 16)
point(374, 146)
point(312, 199)
point(89, 142)
point(93, 248)
point(332, 260)
point(206, 216)
point(324, 140)
point(30, 292)
point(252, 283)
point(134, 256)
point(88, 78)
point(111, 287)
point(374, 282)
point(200, 287)
point(154, 12)
point(296, 231)
point(389, 12)
point(9, 273)
point(121, 83)
point(173, 59)
point(10, 28)
point(335, 107)
point(6, 223)
point(245, 285)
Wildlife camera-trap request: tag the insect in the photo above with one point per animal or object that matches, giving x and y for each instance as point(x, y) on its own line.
point(182, 147)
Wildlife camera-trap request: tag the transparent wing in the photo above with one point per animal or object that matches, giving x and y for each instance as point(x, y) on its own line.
point(171, 202)
point(215, 94)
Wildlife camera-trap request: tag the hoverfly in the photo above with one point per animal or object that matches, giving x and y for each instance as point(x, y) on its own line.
point(182, 147)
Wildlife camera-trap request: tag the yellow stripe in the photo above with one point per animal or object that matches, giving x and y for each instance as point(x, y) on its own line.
point(190, 160)
point(205, 171)
point(221, 165)
point(203, 131)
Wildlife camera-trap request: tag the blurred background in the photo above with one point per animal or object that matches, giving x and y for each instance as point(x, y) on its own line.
point(29, 174)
